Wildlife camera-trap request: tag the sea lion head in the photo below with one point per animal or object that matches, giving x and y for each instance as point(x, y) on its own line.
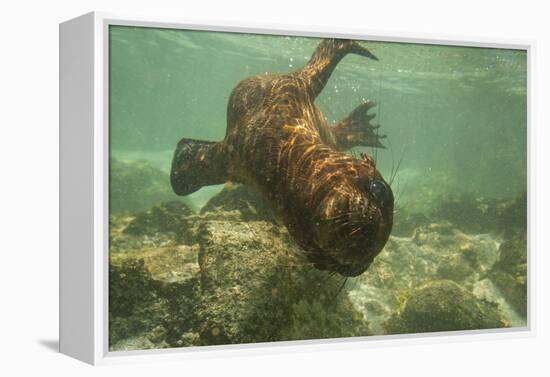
point(354, 219)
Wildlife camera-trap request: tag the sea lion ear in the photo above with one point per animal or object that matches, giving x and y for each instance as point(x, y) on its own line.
point(368, 159)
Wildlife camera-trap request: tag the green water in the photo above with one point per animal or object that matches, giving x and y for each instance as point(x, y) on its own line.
point(453, 111)
point(456, 126)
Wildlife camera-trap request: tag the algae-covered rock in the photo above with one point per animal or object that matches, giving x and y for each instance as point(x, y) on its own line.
point(510, 272)
point(464, 265)
point(133, 301)
point(180, 322)
point(483, 215)
point(435, 251)
point(513, 255)
point(136, 186)
point(512, 215)
point(242, 198)
point(231, 274)
point(164, 264)
point(443, 305)
point(169, 218)
point(405, 222)
point(130, 285)
point(257, 287)
point(454, 268)
point(470, 214)
point(150, 290)
point(251, 284)
point(152, 301)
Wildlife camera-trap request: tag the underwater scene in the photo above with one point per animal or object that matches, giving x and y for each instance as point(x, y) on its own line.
point(344, 188)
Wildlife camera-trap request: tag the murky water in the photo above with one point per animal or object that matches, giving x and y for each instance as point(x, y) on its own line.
point(454, 110)
point(455, 120)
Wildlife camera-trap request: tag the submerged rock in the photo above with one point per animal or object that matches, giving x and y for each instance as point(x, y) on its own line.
point(454, 268)
point(133, 301)
point(257, 286)
point(512, 215)
point(405, 222)
point(437, 251)
point(165, 264)
point(243, 198)
point(168, 218)
point(251, 284)
point(443, 305)
point(510, 272)
point(468, 213)
point(152, 298)
point(465, 265)
point(231, 274)
point(483, 215)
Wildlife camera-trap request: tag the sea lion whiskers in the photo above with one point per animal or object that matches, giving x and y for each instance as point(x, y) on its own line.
point(394, 173)
point(336, 217)
point(355, 230)
point(329, 276)
point(345, 278)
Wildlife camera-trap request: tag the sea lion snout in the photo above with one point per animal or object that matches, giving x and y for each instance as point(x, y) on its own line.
point(353, 226)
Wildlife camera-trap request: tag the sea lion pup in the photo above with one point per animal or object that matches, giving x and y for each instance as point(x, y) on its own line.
point(337, 208)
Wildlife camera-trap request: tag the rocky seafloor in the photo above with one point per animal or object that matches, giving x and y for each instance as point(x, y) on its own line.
point(231, 274)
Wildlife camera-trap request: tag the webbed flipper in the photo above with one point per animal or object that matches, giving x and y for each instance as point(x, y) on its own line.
point(356, 129)
point(197, 164)
point(325, 58)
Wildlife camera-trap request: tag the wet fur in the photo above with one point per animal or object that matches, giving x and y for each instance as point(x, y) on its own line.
point(278, 140)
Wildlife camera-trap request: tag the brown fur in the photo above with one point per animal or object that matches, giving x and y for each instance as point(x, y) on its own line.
point(337, 208)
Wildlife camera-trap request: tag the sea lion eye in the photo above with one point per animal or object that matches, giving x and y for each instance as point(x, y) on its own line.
point(380, 191)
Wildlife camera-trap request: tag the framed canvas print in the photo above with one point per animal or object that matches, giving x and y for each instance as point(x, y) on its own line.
point(226, 187)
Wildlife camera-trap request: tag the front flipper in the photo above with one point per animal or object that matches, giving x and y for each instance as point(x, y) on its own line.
point(356, 129)
point(196, 164)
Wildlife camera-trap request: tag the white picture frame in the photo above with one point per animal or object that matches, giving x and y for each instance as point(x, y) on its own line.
point(84, 189)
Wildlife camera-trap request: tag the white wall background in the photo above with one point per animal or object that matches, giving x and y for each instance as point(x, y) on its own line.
point(29, 185)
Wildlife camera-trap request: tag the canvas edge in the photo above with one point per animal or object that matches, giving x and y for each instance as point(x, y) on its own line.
point(102, 355)
point(76, 191)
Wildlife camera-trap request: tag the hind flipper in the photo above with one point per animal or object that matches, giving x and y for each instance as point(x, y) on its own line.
point(325, 58)
point(356, 129)
point(197, 164)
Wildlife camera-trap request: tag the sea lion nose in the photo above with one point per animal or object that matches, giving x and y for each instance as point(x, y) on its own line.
point(381, 192)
